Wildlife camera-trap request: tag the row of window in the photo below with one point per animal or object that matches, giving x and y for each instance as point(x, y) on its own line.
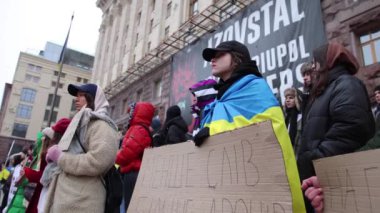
point(35, 79)
point(20, 130)
point(157, 92)
point(25, 111)
point(193, 11)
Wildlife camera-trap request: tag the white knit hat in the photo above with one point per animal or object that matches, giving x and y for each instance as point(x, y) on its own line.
point(49, 132)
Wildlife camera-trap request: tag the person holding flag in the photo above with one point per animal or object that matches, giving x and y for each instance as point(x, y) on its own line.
point(245, 98)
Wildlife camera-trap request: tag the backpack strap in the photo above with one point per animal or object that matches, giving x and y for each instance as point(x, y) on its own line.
point(84, 150)
point(149, 133)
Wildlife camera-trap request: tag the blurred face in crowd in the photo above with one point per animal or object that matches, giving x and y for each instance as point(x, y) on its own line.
point(377, 96)
point(290, 101)
point(221, 65)
point(80, 100)
point(307, 79)
point(30, 152)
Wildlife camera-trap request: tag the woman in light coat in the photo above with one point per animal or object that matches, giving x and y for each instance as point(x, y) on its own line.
point(76, 183)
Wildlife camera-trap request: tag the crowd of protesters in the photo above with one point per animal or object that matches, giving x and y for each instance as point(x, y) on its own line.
point(331, 115)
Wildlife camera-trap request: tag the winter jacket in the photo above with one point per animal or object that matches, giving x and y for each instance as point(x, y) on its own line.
point(78, 187)
point(136, 139)
point(176, 131)
point(339, 121)
point(34, 176)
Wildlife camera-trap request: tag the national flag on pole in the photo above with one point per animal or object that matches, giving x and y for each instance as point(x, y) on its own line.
point(60, 61)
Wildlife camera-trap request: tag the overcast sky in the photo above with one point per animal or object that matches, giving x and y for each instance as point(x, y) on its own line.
point(26, 26)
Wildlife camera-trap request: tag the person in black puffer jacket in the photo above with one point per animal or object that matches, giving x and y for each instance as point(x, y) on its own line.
point(174, 129)
point(339, 118)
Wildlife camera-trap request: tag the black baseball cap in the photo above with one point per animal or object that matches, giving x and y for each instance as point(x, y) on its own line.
point(227, 46)
point(87, 88)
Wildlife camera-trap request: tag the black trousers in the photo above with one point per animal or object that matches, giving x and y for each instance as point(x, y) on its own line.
point(130, 179)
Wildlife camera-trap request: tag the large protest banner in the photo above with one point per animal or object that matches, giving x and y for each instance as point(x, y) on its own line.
point(241, 171)
point(280, 35)
point(350, 182)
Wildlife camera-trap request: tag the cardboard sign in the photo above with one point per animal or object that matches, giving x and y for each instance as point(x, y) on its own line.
point(350, 182)
point(241, 171)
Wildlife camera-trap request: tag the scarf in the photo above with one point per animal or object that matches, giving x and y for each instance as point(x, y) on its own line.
point(241, 70)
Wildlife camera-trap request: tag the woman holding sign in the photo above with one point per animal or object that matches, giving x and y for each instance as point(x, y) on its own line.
point(245, 98)
point(339, 118)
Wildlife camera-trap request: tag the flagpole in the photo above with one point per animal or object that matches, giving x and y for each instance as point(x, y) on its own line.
point(60, 66)
point(9, 152)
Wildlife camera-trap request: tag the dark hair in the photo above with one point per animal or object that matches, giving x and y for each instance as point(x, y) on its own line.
point(321, 78)
point(236, 59)
point(17, 159)
point(377, 88)
point(90, 101)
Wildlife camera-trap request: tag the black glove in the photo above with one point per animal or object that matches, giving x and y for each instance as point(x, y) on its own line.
point(202, 135)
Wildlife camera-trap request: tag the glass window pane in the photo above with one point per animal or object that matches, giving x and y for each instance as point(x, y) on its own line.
point(377, 50)
point(19, 130)
point(57, 100)
point(46, 116)
point(376, 35)
point(364, 38)
point(24, 111)
point(28, 95)
point(367, 55)
point(73, 108)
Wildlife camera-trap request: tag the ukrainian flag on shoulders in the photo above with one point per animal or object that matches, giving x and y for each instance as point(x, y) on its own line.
point(248, 101)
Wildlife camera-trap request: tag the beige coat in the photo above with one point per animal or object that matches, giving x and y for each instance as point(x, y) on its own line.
point(79, 188)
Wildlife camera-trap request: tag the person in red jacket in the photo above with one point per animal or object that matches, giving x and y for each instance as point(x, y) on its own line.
point(136, 139)
point(52, 135)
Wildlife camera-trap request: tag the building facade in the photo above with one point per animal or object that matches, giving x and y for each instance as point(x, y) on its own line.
point(27, 109)
point(356, 24)
point(138, 40)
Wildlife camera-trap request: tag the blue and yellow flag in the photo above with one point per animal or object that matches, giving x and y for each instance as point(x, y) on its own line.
point(248, 101)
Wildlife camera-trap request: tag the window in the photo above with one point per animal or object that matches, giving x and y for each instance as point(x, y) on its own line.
point(125, 106)
point(32, 78)
point(28, 95)
point(62, 74)
point(139, 95)
point(137, 39)
point(168, 9)
point(157, 89)
point(46, 116)
point(194, 10)
point(24, 111)
point(34, 68)
point(138, 18)
point(133, 59)
point(19, 130)
point(54, 84)
point(166, 32)
point(79, 79)
point(73, 108)
point(85, 81)
point(151, 25)
point(153, 4)
point(148, 46)
point(370, 44)
point(57, 100)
